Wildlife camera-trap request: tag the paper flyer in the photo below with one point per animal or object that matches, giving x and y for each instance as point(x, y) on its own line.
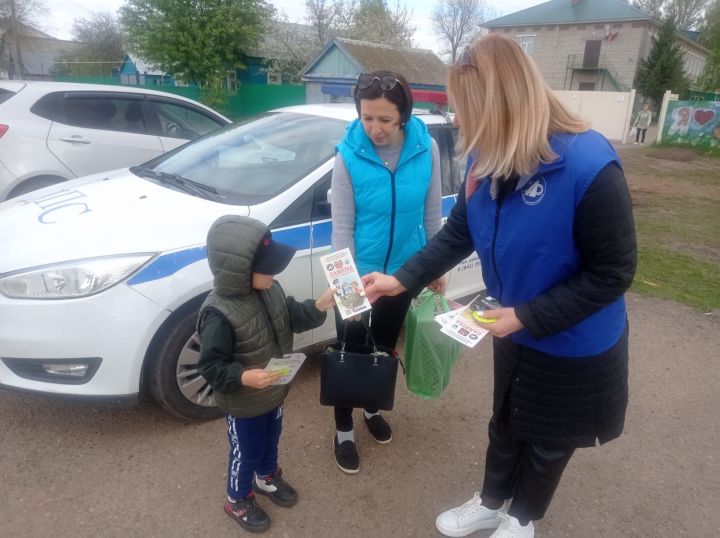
point(342, 274)
point(288, 365)
point(460, 325)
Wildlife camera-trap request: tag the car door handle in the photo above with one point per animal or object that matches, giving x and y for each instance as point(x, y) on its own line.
point(78, 139)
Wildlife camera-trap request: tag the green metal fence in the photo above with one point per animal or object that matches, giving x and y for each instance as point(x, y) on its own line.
point(247, 100)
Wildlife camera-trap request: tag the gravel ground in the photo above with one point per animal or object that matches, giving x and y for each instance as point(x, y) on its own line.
point(72, 470)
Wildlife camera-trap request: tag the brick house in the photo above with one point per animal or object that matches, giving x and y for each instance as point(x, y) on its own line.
point(593, 45)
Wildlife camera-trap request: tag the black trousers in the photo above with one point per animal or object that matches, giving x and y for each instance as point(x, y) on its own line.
point(638, 133)
point(529, 473)
point(385, 321)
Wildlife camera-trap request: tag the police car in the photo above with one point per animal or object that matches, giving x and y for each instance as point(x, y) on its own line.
point(101, 277)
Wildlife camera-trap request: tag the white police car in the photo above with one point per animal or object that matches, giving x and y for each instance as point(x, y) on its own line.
point(101, 277)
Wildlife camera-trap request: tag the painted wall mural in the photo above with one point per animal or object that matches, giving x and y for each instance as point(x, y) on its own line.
point(694, 123)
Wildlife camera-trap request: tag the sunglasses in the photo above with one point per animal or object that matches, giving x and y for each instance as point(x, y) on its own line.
point(386, 82)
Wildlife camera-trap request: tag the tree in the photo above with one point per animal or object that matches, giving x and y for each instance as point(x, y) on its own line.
point(456, 21)
point(710, 38)
point(195, 41)
point(323, 15)
point(687, 14)
point(653, 7)
point(14, 14)
point(100, 39)
point(291, 47)
point(375, 22)
point(663, 68)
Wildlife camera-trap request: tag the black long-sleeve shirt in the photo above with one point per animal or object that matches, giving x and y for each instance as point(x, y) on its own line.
point(604, 230)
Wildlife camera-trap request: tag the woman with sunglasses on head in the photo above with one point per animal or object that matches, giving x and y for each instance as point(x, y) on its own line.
point(546, 206)
point(386, 203)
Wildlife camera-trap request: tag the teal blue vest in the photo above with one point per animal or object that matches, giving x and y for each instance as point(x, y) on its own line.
point(389, 207)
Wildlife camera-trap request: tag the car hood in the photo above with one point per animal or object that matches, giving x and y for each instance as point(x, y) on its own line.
point(104, 214)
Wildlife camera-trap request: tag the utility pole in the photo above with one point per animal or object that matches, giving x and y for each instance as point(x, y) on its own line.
point(18, 63)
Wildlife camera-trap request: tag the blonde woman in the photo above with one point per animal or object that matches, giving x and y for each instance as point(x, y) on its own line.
point(546, 206)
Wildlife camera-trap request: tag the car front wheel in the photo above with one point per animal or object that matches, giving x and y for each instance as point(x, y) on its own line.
point(175, 381)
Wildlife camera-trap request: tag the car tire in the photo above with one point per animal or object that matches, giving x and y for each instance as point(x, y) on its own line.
point(34, 184)
point(173, 365)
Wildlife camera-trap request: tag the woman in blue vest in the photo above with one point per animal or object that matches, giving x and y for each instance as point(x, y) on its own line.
point(546, 206)
point(386, 203)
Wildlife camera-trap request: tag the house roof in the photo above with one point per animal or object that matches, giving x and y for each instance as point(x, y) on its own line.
point(572, 11)
point(419, 66)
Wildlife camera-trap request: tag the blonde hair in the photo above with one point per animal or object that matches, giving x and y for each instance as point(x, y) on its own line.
point(505, 110)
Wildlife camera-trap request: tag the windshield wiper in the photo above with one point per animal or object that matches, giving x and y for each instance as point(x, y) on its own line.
point(188, 185)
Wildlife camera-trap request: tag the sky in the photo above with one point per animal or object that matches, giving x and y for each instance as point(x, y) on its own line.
point(60, 15)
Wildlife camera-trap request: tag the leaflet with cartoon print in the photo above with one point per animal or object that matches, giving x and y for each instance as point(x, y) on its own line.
point(288, 366)
point(342, 274)
point(460, 325)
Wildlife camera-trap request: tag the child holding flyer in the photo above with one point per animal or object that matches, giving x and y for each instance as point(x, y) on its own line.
point(244, 323)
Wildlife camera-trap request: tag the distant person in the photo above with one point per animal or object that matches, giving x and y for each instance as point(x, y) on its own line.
point(386, 203)
point(546, 206)
point(244, 322)
point(642, 122)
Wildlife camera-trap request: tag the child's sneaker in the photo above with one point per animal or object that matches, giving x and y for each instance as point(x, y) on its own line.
point(248, 514)
point(468, 518)
point(511, 528)
point(279, 491)
point(379, 429)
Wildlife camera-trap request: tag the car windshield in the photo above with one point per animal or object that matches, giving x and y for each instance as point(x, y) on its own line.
point(251, 162)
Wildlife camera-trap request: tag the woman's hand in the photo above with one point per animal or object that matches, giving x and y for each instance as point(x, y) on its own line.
point(326, 301)
point(506, 324)
point(257, 378)
point(378, 285)
point(439, 285)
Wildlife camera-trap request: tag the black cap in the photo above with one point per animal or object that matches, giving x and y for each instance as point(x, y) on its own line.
point(271, 257)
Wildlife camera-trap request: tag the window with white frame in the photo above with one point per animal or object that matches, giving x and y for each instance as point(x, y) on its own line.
point(527, 42)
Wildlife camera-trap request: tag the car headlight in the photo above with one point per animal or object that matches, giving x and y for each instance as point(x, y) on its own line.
point(71, 279)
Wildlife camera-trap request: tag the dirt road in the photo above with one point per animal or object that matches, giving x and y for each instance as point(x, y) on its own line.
point(69, 470)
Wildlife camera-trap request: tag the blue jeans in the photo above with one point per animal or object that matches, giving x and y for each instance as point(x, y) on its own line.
point(253, 449)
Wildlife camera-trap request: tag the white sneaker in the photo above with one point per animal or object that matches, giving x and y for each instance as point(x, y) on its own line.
point(511, 528)
point(468, 518)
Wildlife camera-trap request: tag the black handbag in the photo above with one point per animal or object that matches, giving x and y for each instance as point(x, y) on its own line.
point(358, 376)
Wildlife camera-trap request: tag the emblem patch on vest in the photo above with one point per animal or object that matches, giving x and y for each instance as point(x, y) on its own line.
point(534, 192)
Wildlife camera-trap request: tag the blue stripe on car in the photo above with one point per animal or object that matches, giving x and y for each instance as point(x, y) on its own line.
point(168, 264)
point(298, 237)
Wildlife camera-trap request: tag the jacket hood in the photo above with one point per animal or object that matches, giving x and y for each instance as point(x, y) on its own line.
point(416, 134)
point(231, 245)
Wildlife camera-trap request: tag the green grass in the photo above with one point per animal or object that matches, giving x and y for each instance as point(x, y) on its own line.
point(664, 272)
point(679, 239)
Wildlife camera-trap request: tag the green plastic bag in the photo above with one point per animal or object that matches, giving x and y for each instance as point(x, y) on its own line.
point(429, 354)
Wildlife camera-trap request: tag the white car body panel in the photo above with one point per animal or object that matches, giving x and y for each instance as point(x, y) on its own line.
point(113, 148)
point(32, 146)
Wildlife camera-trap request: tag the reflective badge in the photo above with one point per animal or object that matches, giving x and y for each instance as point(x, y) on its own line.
point(534, 192)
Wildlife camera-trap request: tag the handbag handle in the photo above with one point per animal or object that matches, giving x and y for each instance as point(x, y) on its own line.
point(372, 339)
point(367, 329)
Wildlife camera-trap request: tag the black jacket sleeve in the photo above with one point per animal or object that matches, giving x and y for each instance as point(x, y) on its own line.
point(217, 364)
point(604, 231)
point(304, 315)
point(445, 250)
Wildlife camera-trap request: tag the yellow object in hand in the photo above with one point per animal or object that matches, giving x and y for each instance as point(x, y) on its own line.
point(477, 317)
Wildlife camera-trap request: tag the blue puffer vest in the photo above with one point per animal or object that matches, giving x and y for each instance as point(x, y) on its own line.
point(526, 244)
point(389, 207)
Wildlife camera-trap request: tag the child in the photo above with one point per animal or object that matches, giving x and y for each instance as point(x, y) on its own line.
point(244, 322)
